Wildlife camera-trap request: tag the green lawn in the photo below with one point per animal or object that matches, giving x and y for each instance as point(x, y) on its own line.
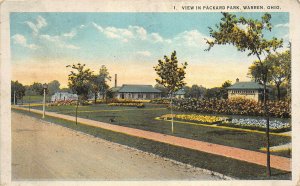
point(227, 166)
point(35, 99)
point(144, 118)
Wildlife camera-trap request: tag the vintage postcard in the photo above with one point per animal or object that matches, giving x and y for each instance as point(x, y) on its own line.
point(150, 92)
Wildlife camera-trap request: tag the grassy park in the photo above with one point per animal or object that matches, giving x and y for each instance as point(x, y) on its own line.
point(227, 166)
point(146, 119)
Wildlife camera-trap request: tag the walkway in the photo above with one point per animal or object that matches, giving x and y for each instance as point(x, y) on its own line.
point(277, 162)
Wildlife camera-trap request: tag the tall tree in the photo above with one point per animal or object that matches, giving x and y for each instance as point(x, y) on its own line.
point(280, 70)
point(99, 82)
point(53, 87)
point(278, 73)
point(79, 82)
point(37, 88)
point(247, 35)
point(17, 91)
point(213, 93)
point(223, 90)
point(171, 76)
point(196, 91)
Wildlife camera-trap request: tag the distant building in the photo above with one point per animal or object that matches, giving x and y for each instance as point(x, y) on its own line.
point(248, 90)
point(180, 94)
point(62, 96)
point(131, 91)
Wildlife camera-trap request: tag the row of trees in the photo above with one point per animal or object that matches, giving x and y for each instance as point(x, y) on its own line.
point(18, 90)
point(200, 92)
point(84, 82)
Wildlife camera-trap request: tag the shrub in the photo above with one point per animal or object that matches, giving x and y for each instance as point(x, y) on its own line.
point(160, 101)
point(62, 102)
point(138, 105)
point(237, 106)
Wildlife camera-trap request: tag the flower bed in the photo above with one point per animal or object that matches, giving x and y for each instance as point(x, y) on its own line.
point(195, 117)
point(62, 102)
point(160, 101)
point(259, 124)
point(114, 100)
point(280, 109)
point(138, 105)
point(245, 123)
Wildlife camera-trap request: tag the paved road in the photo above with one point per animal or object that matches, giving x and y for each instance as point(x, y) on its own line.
point(47, 151)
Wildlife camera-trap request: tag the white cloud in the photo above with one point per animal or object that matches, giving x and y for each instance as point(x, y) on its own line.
point(99, 28)
point(58, 41)
point(139, 32)
point(282, 25)
point(35, 27)
point(22, 41)
point(192, 38)
point(144, 53)
point(70, 34)
point(82, 26)
point(156, 38)
point(129, 33)
point(41, 22)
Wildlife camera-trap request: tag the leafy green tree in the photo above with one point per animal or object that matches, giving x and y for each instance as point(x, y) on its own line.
point(196, 91)
point(248, 35)
point(171, 76)
point(37, 88)
point(17, 91)
point(223, 90)
point(53, 87)
point(279, 70)
point(65, 89)
point(29, 92)
point(79, 82)
point(213, 93)
point(164, 91)
point(99, 82)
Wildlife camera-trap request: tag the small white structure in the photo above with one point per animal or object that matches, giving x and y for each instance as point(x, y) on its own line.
point(62, 96)
point(180, 94)
point(247, 90)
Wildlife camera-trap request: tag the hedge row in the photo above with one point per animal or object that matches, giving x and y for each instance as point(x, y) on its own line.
point(279, 109)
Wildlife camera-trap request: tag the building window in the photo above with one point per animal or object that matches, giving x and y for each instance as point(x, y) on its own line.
point(140, 95)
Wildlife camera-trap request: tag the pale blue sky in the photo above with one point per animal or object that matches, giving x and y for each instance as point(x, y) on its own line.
point(126, 41)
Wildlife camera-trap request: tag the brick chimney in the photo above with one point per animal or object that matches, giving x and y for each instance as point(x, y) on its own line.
point(116, 80)
point(237, 80)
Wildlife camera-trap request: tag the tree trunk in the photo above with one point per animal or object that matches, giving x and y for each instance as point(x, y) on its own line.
point(95, 101)
point(29, 103)
point(76, 111)
point(278, 91)
point(267, 130)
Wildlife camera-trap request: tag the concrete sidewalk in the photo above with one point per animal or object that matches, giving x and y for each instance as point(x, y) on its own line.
point(277, 162)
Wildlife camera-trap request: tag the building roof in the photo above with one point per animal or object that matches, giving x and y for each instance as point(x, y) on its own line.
point(138, 89)
point(246, 86)
point(115, 89)
point(180, 92)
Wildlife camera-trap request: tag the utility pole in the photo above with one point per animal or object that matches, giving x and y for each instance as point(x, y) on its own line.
point(14, 97)
point(44, 101)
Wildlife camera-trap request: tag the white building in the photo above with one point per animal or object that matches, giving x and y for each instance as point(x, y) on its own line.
point(62, 96)
point(128, 91)
point(247, 90)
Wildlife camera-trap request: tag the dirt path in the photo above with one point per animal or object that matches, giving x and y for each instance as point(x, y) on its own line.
point(47, 151)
